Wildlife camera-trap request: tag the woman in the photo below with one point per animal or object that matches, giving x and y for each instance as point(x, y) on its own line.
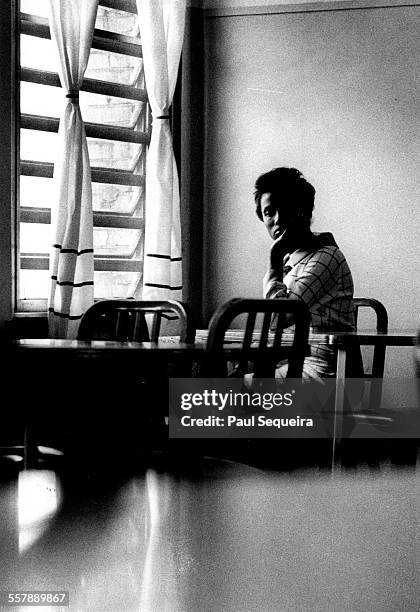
point(303, 265)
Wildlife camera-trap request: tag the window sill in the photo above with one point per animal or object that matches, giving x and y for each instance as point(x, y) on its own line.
point(30, 315)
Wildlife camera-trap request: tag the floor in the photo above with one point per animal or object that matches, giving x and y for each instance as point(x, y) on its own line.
point(214, 535)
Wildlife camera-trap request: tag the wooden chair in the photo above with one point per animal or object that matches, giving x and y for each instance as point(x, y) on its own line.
point(266, 353)
point(125, 320)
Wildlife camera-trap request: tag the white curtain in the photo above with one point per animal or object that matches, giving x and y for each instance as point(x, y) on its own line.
point(162, 31)
point(71, 24)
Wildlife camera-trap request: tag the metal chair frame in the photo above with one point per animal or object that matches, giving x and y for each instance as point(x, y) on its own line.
point(265, 356)
point(130, 323)
point(372, 416)
point(378, 362)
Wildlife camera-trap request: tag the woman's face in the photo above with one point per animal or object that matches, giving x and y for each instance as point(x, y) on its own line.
point(279, 214)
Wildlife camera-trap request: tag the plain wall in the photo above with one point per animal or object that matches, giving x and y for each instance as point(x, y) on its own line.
point(335, 94)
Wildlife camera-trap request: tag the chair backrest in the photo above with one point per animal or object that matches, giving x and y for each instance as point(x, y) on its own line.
point(378, 362)
point(266, 352)
point(417, 364)
point(124, 320)
point(378, 307)
point(417, 356)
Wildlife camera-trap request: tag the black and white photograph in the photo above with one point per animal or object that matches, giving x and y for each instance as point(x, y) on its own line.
point(210, 305)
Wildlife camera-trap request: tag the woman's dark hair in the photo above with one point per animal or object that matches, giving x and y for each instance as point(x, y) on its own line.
point(286, 183)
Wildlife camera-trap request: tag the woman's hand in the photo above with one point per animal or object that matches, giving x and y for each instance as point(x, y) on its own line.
point(273, 285)
point(277, 252)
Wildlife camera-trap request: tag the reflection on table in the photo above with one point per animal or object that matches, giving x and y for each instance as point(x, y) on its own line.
point(218, 536)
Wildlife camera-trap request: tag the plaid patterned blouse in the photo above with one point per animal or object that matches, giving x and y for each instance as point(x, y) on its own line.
point(322, 279)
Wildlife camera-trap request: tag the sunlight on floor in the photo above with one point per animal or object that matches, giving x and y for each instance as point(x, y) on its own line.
point(39, 498)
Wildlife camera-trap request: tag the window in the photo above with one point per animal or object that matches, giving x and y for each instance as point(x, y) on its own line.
point(114, 107)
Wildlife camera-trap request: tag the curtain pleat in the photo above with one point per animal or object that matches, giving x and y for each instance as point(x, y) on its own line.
point(71, 261)
point(162, 32)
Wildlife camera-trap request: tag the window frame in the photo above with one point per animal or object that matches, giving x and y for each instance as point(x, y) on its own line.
point(8, 132)
point(103, 40)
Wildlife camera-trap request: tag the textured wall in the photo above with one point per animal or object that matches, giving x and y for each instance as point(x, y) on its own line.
point(335, 94)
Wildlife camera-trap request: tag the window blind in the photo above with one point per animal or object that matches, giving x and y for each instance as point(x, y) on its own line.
point(114, 106)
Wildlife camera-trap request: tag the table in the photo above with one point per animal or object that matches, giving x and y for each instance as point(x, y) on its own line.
point(171, 349)
point(73, 371)
point(346, 340)
point(342, 340)
point(217, 536)
point(62, 357)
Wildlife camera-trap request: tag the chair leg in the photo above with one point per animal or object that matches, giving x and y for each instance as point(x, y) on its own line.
point(30, 449)
point(338, 408)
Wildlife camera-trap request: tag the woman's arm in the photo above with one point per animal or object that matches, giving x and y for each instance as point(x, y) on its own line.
point(273, 286)
point(316, 280)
